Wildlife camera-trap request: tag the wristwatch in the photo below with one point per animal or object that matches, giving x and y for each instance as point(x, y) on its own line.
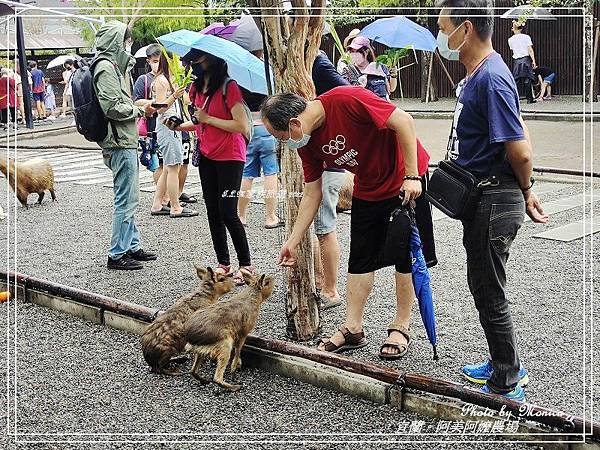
point(194, 120)
point(531, 182)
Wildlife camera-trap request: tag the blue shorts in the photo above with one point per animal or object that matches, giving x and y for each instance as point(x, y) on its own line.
point(38, 96)
point(332, 183)
point(550, 78)
point(261, 153)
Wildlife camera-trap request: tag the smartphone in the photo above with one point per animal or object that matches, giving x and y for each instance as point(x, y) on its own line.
point(175, 120)
point(159, 105)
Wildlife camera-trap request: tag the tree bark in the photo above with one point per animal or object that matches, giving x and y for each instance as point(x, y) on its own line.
point(292, 50)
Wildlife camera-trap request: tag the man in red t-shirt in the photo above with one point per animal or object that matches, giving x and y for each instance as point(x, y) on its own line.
point(8, 97)
point(351, 128)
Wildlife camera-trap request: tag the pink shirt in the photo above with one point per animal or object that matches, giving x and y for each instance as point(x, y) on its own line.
point(215, 143)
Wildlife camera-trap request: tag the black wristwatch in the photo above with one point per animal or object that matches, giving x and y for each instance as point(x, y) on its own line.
point(531, 182)
point(194, 120)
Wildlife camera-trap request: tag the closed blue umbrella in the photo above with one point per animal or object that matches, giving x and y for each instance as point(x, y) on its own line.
point(245, 68)
point(400, 32)
point(421, 282)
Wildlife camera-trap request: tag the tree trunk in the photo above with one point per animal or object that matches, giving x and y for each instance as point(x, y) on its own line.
point(427, 78)
point(292, 53)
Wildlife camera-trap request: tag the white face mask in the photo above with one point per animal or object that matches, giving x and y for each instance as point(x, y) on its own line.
point(154, 66)
point(296, 144)
point(358, 59)
point(445, 51)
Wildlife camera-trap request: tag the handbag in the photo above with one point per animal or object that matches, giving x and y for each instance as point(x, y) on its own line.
point(397, 237)
point(142, 122)
point(453, 190)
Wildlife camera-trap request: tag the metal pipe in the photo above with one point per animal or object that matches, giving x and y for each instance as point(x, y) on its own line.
point(22, 57)
point(424, 383)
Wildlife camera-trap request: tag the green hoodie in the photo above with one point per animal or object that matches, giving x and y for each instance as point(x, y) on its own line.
point(112, 83)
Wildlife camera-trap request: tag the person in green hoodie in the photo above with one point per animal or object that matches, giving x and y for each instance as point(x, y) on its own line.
point(113, 87)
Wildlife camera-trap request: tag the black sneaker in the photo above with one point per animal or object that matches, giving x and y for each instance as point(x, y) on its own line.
point(125, 262)
point(142, 255)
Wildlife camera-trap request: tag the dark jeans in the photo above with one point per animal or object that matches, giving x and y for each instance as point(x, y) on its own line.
point(221, 181)
point(487, 239)
point(4, 114)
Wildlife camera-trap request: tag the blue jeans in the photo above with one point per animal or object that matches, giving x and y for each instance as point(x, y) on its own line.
point(487, 239)
point(125, 234)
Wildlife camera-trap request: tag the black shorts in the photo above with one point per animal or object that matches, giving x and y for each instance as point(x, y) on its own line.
point(369, 224)
point(368, 230)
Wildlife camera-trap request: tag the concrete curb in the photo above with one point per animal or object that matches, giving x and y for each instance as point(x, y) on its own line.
point(302, 369)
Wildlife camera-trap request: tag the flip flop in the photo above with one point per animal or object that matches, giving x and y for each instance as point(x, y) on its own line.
point(185, 212)
point(164, 211)
point(281, 223)
point(187, 198)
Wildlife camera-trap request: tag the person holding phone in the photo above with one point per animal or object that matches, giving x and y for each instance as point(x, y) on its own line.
point(167, 99)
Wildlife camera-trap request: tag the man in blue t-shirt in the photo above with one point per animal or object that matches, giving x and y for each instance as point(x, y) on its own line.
point(490, 140)
point(38, 89)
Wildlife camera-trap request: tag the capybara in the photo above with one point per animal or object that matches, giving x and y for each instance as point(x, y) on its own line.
point(31, 176)
point(164, 338)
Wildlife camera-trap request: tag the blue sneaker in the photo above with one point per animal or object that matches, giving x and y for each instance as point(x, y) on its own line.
point(480, 373)
point(517, 394)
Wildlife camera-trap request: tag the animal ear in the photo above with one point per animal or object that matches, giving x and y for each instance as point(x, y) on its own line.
point(261, 282)
point(211, 274)
point(248, 277)
point(200, 271)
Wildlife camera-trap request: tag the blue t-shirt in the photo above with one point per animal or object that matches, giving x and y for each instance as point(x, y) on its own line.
point(486, 116)
point(37, 78)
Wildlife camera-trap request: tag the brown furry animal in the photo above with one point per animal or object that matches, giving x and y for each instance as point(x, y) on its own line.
point(345, 196)
point(219, 331)
point(165, 337)
point(32, 176)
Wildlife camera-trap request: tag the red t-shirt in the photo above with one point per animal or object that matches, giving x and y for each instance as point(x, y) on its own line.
point(215, 143)
point(8, 95)
point(354, 137)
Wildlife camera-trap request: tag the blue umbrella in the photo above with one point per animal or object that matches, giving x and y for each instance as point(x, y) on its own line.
point(245, 68)
point(420, 276)
point(400, 32)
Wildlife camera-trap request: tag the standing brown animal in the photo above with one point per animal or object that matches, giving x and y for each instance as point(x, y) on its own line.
point(219, 331)
point(165, 337)
point(29, 177)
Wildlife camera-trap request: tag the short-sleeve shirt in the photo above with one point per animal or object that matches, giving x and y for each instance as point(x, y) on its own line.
point(354, 137)
point(519, 44)
point(378, 84)
point(8, 95)
point(215, 143)
point(487, 115)
point(37, 79)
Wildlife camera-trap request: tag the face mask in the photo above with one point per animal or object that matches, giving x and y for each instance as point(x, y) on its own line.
point(445, 51)
point(154, 66)
point(296, 144)
point(358, 59)
point(197, 70)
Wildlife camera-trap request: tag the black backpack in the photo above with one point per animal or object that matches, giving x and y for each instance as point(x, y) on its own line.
point(90, 120)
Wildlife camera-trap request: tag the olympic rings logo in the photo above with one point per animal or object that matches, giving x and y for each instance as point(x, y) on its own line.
point(335, 145)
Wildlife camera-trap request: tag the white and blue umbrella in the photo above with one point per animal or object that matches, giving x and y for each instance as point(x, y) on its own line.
point(245, 68)
point(400, 32)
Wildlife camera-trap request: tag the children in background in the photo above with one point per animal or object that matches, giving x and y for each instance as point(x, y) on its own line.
point(49, 100)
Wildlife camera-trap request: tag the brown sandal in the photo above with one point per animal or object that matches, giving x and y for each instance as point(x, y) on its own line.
point(352, 341)
point(402, 348)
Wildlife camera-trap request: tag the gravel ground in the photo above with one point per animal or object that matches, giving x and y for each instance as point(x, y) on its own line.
point(66, 243)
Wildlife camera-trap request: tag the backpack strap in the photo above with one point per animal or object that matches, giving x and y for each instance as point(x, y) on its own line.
point(224, 89)
point(92, 67)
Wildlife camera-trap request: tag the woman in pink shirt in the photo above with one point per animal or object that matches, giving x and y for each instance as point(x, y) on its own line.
point(219, 121)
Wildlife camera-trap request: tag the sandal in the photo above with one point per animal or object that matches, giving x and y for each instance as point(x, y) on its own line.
point(223, 269)
point(185, 212)
point(239, 278)
point(164, 211)
point(352, 341)
point(328, 303)
point(402, 348)
point(187, 198)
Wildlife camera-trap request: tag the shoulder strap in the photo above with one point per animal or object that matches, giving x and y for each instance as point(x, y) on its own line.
point(146, 86)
